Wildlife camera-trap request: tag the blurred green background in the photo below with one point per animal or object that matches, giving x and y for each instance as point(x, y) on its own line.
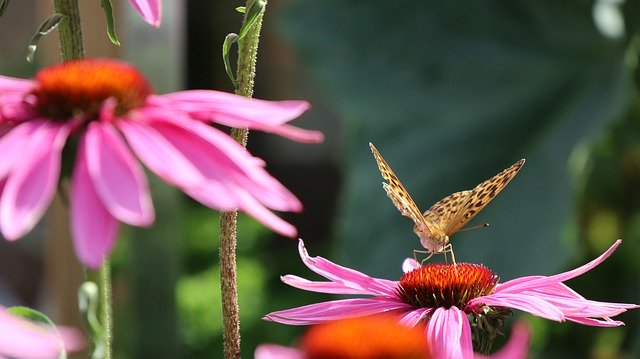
point(450, 93)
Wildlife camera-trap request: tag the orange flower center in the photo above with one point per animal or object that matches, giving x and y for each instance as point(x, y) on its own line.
point(373, 337)
point(446, 285)
point(80, 87)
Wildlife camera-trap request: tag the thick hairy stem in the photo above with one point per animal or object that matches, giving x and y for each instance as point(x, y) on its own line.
point(70, 29)
point(247, 53)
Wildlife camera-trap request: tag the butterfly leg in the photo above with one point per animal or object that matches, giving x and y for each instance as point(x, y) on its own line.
point(429, 255)
point(449, 249)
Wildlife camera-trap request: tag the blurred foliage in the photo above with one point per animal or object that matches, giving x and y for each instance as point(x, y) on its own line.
point(453, 92)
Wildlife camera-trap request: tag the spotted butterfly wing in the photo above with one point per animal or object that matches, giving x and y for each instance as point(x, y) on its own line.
point(451, 213)
point(399, 195)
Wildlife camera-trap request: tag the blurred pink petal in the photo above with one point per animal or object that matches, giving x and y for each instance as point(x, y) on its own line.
point(22, 339)
point(150, 10)
point(272, 351)
point(32, 184)
point(94, 229)
point(116, 176)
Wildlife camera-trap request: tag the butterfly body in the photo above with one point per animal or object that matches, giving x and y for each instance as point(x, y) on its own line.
point(435, 226)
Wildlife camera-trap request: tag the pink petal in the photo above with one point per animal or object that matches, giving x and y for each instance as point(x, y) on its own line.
point(238, 111)
point(150, 10)
point(449, 334)
point(320, 287)
point(527, 283)
point(412, 318)
point(12, 85)
point(347, 277)
point(13, 143)
point(334, 310)
point(94, 228)
point(218, 172)
point(20, 338)
point(117, 178)
point(272, 351)
point(528, 303)
point(409, 265)
point(32, 183)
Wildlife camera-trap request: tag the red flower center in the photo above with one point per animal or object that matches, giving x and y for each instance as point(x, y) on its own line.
point(80, 87)
point(446, 285)
point(371, 337)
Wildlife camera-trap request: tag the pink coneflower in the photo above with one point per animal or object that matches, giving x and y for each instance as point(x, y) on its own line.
point(105, 112)
point(377, 336)
point(458, 302)
point(150, 10)
point(22, 339)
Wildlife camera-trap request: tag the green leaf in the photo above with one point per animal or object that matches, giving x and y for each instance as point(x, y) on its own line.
point(3, 6)
point(111, 25)
point(253, 13)
point(47, 26)
point(38, 317)
point(451, 95)
point(226, 46)
point(241, 9)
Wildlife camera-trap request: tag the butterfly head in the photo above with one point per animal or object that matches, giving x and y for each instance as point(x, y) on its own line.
point(433, 242)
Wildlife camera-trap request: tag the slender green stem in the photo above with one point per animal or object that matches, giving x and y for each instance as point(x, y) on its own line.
point(247, 54)
point(70, 29)
point(105, 305)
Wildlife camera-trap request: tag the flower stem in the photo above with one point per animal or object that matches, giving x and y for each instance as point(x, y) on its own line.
point(105, 305)
point(70, 29)
point(247, 54)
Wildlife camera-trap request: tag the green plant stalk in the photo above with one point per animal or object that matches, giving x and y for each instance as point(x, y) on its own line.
point(105, 305)
point(247, 54)
point(70, 29)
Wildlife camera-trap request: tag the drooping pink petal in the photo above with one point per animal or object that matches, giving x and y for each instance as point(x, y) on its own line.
point(449, 334)
point(94, 229)
point(12, 85)
point(334, 310)
point(32, 183)
point(527, 303)
point(412, 318)
point(218, 172)
point(150, 10)
point(25, 340)
point(13, 143)
point(349, 278)
point(273, 351)
point(237, 111)
point(117, 177)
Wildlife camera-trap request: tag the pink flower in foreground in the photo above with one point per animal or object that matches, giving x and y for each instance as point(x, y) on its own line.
point(150, 10)
point(448, 297)
point(105, 112)
point(377, 336)
point(22, 339)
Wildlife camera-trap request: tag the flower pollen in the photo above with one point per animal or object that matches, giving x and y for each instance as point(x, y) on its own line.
point(81, 87)
point(373, 337)
point(446, 285)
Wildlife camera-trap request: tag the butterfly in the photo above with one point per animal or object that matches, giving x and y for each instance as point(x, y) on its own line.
point(447, 216)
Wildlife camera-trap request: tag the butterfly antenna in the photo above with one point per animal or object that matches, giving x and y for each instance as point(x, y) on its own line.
point(474, 227)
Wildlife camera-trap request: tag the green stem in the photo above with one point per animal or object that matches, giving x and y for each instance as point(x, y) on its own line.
point(247, 54)
point(105, 305)
point(70, 29)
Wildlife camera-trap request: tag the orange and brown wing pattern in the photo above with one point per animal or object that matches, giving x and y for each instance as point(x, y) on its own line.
point(444, 212)
point(480, 196)
point(398, 194)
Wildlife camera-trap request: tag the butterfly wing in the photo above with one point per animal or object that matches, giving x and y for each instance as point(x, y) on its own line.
point(455, 211)
point(399, 195)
